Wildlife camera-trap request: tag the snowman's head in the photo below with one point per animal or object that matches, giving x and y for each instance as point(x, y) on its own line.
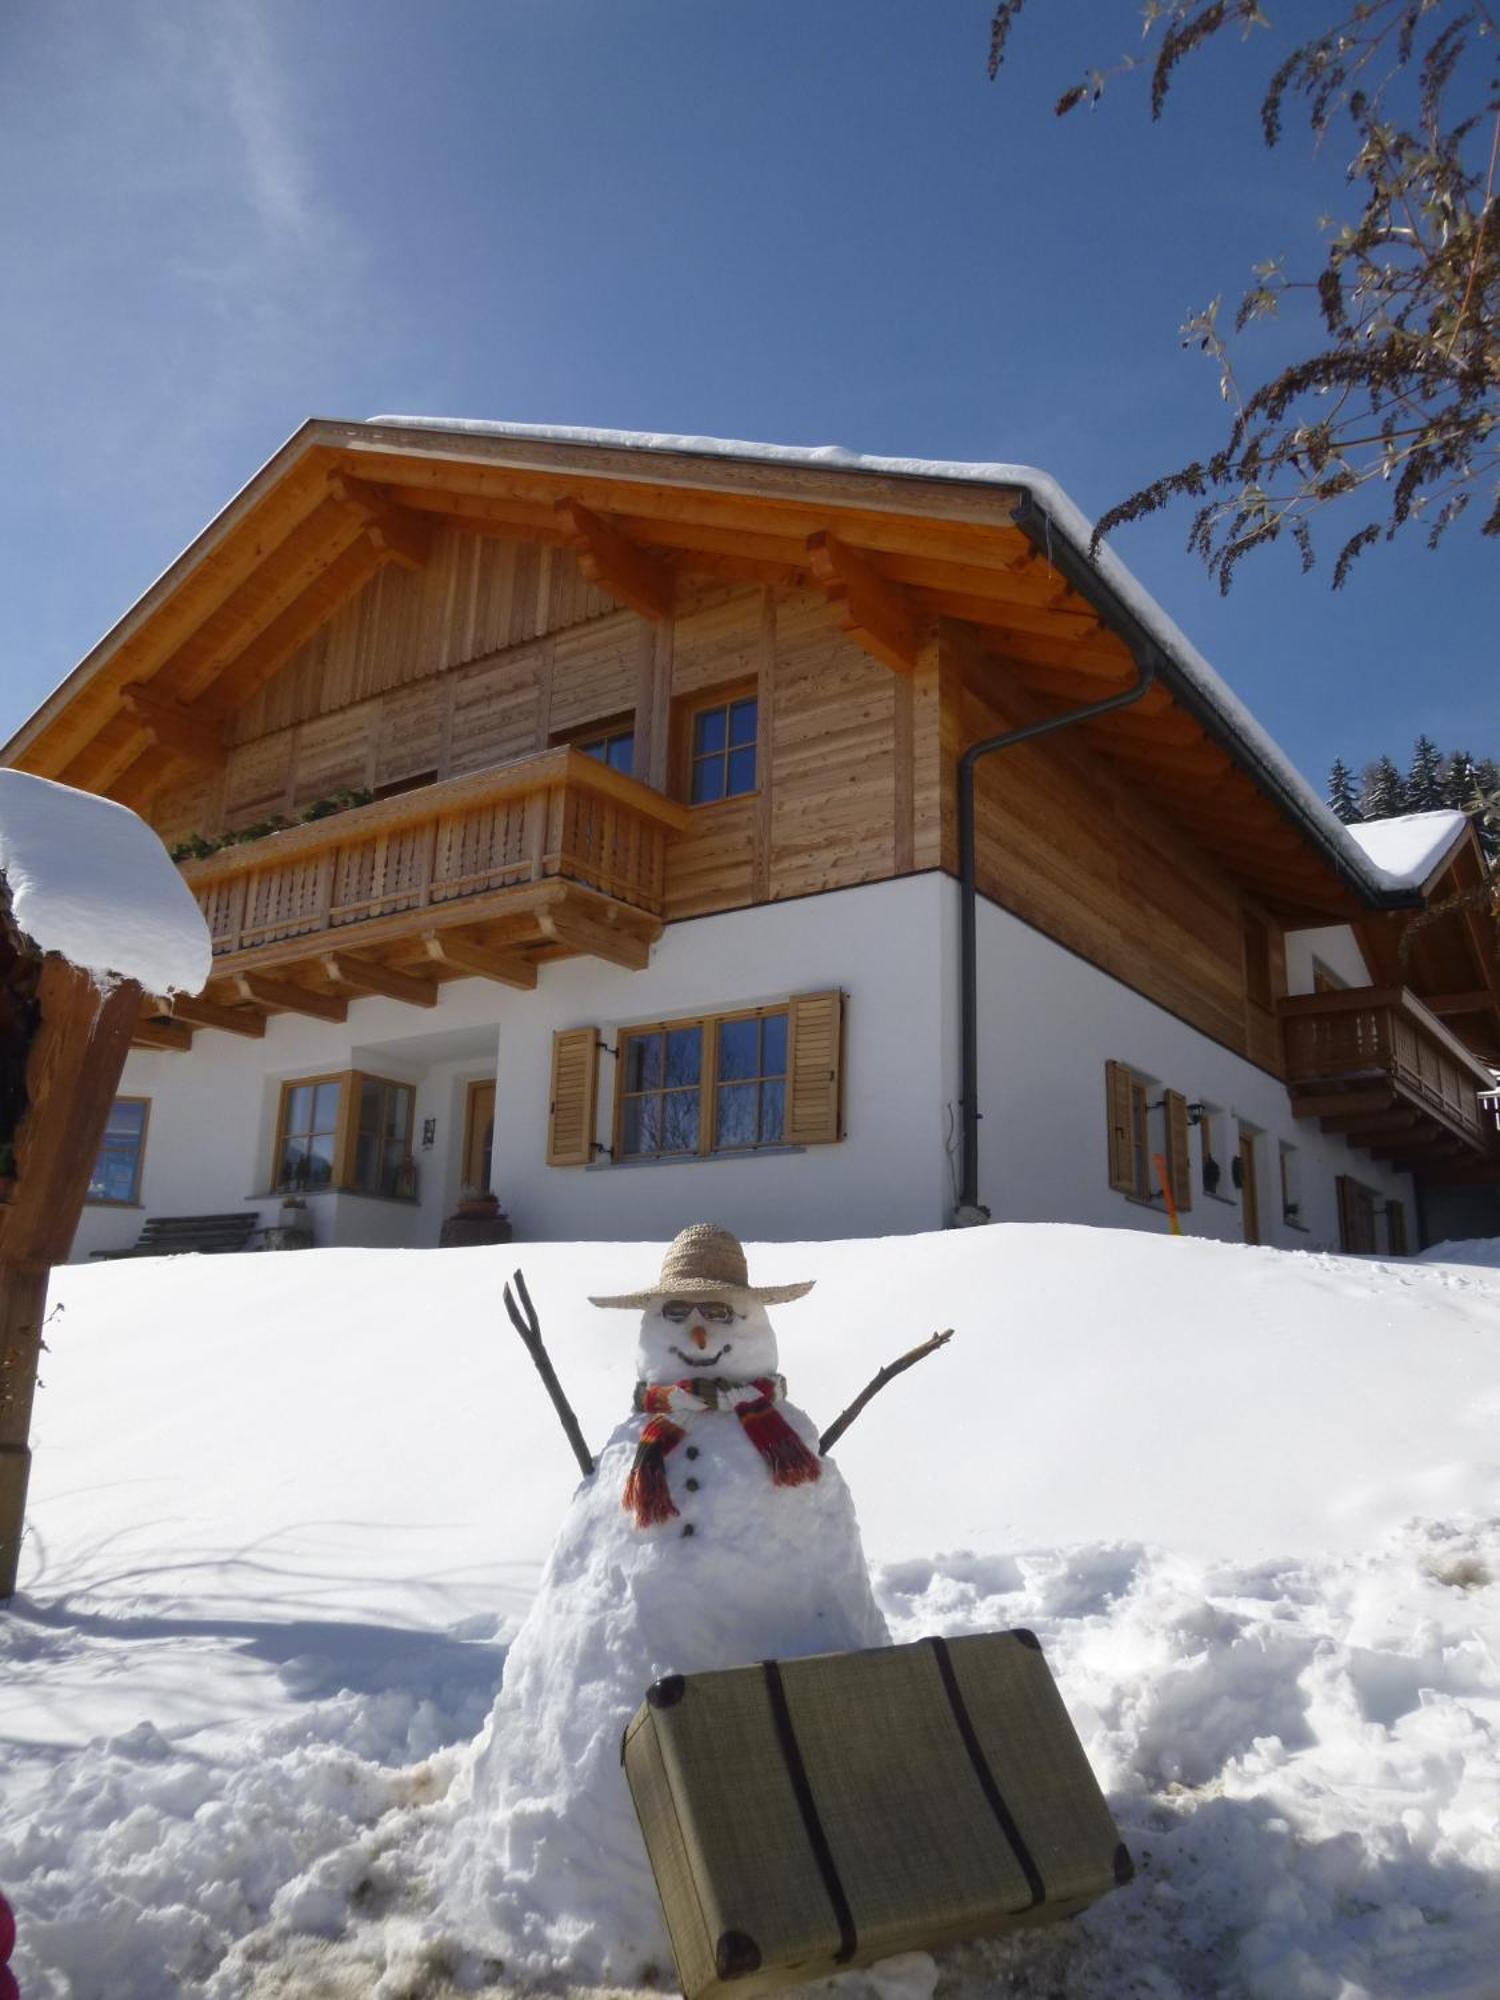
point(727, 1337)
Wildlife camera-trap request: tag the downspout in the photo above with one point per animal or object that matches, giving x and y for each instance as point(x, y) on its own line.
point(1087, 582)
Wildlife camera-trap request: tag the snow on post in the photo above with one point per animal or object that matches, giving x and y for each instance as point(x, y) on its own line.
point(93, 915)
point(89, 880)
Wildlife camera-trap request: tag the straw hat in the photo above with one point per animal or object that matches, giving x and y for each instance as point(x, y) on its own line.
point(705, 1262)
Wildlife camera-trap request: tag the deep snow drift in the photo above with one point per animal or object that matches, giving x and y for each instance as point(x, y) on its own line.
point(287, 1511)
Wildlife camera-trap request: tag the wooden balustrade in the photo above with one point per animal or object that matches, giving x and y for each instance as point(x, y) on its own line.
point(1372, 1035)
point(559, 816)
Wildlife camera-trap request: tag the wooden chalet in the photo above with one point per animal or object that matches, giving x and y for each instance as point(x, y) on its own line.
point(498, 758)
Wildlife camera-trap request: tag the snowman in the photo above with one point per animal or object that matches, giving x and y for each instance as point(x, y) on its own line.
point(710, 1534)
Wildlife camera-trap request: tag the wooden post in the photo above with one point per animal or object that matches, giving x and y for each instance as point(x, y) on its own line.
point(72, 1073)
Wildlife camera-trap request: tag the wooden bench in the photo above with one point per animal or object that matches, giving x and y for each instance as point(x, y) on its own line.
point(173, 1235)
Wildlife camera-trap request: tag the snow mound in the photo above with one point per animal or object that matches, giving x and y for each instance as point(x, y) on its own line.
point(289, 1510)
point(89, 879)
point(1483, 1251)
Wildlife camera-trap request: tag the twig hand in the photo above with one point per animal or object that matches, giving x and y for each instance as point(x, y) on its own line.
point(889, 1373)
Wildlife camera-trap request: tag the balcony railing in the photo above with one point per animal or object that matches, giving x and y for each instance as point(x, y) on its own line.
point(559, 816)
point(1376, 1034)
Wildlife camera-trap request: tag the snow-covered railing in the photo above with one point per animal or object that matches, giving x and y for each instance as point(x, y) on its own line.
point(559, 816)
point(1384, 1033)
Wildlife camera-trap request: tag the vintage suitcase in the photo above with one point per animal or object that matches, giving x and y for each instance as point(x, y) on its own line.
point(806, 1815)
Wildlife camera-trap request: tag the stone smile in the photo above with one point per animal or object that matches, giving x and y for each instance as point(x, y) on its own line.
point(700, 1360)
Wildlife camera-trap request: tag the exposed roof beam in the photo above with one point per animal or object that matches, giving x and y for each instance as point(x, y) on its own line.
point(155, 1031)
point(201, 1013)
point(400, 535)
point(579, 933)
point(1477, 1002)
point(199, 738)
point(287, 997)
point(1340, 1103)
point(616, 564)
point(273, 647)
point(365, 975)
point(872, 610)
point(479, 961)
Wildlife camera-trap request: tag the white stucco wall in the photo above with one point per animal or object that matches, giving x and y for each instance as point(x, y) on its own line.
point(1049, 1022)
point(214, 1111)
point(1335, 946)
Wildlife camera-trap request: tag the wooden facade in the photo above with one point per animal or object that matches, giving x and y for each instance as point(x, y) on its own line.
point(433, 618)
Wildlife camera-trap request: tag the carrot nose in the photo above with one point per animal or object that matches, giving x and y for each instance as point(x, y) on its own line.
point(700, 1336)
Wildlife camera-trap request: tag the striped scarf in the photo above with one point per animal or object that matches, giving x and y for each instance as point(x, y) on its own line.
point(787, 1458)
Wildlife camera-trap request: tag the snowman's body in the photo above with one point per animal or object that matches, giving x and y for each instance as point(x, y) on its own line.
point(549, 1858)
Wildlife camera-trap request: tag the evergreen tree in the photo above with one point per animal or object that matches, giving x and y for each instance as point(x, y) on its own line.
point(1460, 782)
point(1341, 794)
point(1424, 781)
point(1385, 790)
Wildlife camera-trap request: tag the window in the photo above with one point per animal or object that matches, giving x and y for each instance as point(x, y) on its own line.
point(616, 747)
point(382, 1138)
point(307, 1143)
point(1211, 1147)
point(1148, 1138)
point(348, 1131)
point(117, 1171)
point(710, 1086)
point(1291, 1186)
point(723, 751)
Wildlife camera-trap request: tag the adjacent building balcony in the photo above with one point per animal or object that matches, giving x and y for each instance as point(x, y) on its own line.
point(486, 875)
point(1373, 1064)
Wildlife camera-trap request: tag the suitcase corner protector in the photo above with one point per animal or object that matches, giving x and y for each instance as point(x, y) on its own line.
point(736, 1955)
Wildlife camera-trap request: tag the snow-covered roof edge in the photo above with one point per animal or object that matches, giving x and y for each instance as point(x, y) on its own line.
point(1063, 514)
point(1410, 847)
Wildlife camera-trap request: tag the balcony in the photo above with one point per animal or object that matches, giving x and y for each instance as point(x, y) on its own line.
point(1372, 1064)
point(487, 875)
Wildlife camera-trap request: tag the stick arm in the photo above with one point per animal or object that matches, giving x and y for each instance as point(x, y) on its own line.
point(873, 1388)
point(529, 1328)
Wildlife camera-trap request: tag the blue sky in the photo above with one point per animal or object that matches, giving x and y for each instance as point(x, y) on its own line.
point(808, 221)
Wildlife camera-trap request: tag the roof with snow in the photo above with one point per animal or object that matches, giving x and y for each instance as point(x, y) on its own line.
point(943, 538)
point(1410, 849)
point(89, 880)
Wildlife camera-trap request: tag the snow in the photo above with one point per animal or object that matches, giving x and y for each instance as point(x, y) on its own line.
point(288, 1511)
point(90, 880)
point(1407, 849)
point(1062, 512)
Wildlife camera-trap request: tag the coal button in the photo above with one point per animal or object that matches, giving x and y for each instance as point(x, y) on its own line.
point(692, 1451)
point(689, 1529)
point(692, 1485)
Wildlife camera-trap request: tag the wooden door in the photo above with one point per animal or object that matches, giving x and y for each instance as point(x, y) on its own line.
point(479, 1136)
point(1249, 1188)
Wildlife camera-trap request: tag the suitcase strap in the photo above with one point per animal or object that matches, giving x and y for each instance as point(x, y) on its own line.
point(993, 1796)
point(807, 1806)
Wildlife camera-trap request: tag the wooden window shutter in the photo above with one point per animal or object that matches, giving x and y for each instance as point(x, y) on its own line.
point(1179, 1155)
point(814, 1069)
point(570, 1115)
point(1395, 1215)
point(1347, 1205)
point(1121, 1128)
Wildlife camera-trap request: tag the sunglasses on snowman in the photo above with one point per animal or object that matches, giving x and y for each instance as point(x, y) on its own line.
point(678, 1310)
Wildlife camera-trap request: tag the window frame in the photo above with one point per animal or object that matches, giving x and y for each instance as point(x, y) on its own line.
point(605, 730)
point(341, 1179)
point(726, 696)
point(133, 1199)
point(708, 1085)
